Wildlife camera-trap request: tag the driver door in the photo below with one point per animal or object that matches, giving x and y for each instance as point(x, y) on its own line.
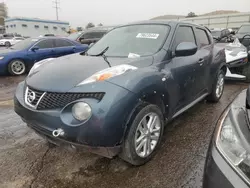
point(184, 68)
point(45, 50)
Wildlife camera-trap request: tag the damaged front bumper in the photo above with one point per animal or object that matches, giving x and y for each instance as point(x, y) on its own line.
point(101, 134)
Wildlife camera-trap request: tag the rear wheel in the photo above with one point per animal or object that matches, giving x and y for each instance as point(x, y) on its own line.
point(218, 87)
point(144, 135)
point(16, 67)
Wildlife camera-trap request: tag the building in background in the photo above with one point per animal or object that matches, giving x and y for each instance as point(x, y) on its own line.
point(3, 15)
point(33, 27)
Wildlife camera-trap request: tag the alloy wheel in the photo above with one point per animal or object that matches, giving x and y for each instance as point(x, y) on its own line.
point(147, 134)
point(220, 86)
point(18, 67)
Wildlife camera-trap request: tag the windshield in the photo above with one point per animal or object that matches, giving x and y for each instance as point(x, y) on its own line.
point(244, 29)
point(24, 44)
point(216, 33)
point(132, 41)
point(74, 36)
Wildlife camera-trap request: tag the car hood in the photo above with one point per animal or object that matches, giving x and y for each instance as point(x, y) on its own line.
point(7, 51)
point(234, 51)
point(64, 73)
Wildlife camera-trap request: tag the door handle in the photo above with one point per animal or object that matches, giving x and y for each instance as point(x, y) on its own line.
point(201, 61)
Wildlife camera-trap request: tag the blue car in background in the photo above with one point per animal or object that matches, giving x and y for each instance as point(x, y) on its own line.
point(20, 58)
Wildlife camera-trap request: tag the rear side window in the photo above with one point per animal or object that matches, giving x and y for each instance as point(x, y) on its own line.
point(98, 34)
point(62, 43)
point(45, 44)
point(93, 35)
point(184, 34)
point(202, 38)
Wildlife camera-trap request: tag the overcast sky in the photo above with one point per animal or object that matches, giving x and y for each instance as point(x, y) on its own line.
point(109, 12)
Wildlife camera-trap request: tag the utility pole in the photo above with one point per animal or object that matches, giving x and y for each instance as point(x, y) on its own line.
point(57, 6)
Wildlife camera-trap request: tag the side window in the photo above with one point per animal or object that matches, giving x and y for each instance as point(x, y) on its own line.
point(45, 44)
point(88, 36)
point(98, 34)
point(202, 38)
point(184, 34)
point(62, 43)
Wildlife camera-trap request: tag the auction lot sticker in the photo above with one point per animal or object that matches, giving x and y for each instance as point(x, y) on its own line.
point(147, 35)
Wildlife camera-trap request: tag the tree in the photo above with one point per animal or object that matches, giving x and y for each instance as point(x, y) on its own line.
point(191, 14)
point(100, 24)
point(89, 25)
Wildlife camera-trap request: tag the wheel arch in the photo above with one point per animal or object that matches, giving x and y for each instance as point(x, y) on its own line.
point(156, 97)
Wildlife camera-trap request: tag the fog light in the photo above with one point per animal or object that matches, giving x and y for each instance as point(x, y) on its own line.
point(81, 111)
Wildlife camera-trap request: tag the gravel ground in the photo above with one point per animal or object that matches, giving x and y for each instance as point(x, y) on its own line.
point(27, 162)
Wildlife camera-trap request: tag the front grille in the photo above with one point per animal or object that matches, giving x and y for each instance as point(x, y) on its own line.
point(32, 97)
point(59, 100)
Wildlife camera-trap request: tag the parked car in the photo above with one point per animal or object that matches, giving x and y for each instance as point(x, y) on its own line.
point(19, 58)
point(10, 41)
point(115, 98)
point(228, 158)
point(222, 35)
point(11, 35)
point(89, 36)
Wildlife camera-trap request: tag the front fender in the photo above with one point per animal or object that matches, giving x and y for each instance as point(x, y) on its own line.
point(149, 82)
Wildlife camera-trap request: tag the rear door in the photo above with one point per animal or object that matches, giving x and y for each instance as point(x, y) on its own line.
point(46, 50)
point(184, 67)
point(204, 55)
point(64, 47)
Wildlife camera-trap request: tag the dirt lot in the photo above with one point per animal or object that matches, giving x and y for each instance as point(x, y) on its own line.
point(27, 162)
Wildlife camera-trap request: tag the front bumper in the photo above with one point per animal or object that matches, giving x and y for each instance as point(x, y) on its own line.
point(102, 133)
point(218, 171)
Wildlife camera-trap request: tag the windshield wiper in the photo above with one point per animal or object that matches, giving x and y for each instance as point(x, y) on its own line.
point(102, 53)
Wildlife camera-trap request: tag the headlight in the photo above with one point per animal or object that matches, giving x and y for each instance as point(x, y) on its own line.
point(1, 57)
point(38, 64)
point(108, 73)
point(81, 111)
point(232, 148)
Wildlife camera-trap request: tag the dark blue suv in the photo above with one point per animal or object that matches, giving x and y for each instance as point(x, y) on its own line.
point(116, 98)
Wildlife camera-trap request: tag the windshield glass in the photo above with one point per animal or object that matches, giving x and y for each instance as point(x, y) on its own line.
point(132, 41)
point(24, 44)
point(244, 29)
point(216, 33)
point(74, 36)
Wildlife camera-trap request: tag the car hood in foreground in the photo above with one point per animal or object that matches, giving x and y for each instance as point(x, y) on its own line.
point(62, 74)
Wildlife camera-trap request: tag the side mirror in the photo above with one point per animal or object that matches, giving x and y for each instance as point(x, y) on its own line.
point(186, 49)
point(35, 48)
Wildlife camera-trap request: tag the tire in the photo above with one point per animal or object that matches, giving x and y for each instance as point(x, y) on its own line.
point(129, 152)
point(7, 44)
point(216, 93)
point(17, 67)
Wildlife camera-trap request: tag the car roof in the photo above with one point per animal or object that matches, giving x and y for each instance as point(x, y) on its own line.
point(165, 22)
point(49, 37)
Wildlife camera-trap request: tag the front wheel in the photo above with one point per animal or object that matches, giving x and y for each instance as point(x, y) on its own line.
point(218, 87)
point(16, 67)
point(144, 135)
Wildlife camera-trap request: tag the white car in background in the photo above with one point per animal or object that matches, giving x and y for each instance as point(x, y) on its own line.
point(10, 41)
